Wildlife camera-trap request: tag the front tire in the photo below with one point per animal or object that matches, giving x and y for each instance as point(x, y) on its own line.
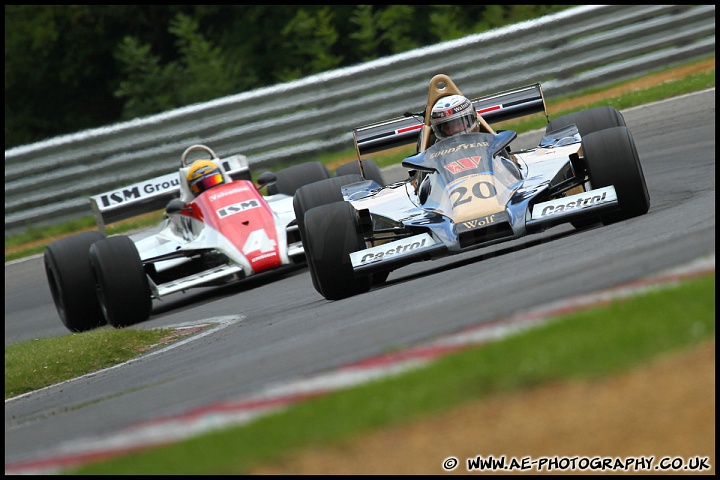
point(71, 281)
point(589, 121)
point(120, 281)
point(332, 235)
point(316, 194)
point(612, 159)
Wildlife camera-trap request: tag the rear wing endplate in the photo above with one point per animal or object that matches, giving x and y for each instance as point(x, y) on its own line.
point(154, 194)
point(493, 108)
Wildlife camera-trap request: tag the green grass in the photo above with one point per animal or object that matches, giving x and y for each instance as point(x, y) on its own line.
point(584, 345)
point(46, 361)
point(670, 89)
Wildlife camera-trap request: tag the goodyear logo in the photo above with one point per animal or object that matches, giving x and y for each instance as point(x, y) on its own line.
point(460, 147)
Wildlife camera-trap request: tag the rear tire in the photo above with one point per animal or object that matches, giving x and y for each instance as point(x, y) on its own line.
point(372, 171)
point(332, 234)
point(120, 281)
point(612, 159)
point(589, 121)
point(291, 178)
point(71, 281)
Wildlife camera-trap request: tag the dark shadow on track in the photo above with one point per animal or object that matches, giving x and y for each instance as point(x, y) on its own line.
point(507, 248)
point(201, 295)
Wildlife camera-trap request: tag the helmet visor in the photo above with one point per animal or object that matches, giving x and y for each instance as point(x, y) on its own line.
point(205, 182)
point(454, 126)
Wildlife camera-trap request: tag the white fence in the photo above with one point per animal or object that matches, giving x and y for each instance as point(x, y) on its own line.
point(582, 47)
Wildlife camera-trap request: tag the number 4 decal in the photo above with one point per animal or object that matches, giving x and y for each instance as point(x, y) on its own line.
point(259, 240)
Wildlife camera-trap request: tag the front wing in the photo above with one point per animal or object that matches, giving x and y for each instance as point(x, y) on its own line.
point(430, 245)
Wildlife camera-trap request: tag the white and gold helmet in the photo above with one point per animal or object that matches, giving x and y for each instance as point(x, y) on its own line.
point(452, 115)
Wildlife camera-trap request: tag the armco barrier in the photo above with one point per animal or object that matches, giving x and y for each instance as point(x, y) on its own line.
point(578, 48)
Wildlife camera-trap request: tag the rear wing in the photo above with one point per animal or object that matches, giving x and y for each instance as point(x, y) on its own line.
point(493, 108)
point(154, 194)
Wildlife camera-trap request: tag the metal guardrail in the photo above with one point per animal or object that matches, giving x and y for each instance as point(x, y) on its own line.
point(572, 50)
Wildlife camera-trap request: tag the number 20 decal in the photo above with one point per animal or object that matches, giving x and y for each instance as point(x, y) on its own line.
point(479, 190)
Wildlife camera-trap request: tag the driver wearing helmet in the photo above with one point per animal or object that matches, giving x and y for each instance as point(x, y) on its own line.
point(456, 114)
point(204, 175)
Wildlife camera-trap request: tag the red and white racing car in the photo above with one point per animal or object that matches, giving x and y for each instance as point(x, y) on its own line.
point(228, 233)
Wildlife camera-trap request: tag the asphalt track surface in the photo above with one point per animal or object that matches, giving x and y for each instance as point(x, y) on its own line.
point(276, 329)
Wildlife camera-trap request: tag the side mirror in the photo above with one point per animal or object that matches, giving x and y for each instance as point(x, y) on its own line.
point(265, 179)
point(175, 206)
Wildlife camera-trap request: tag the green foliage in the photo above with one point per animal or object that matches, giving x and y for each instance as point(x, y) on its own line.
point(35, 233)
point(443, 22)
point(385, 29)
point(492, 17)
point(203, 73)
point(367, 34)
point(199, 74)
point(143, 89)
point(449, 22)
point(309, 40)
point(46, 361)
point(52, 74)
point(397, 24)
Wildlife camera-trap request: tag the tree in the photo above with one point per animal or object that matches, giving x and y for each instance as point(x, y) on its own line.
point(60, 73)
point(308, 41)
point(199, 74)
